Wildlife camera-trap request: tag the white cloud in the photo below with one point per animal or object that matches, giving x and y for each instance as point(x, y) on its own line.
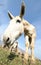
point(2, 29)
point(38, 48)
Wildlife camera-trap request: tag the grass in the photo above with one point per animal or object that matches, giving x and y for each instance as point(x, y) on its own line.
point(11, 59)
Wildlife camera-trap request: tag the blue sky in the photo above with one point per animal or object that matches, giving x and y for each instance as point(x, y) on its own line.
point(32, 14)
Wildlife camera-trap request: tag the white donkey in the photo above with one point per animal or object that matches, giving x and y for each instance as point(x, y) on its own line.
point(16, 28)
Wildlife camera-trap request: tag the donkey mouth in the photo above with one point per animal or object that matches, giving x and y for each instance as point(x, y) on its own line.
point(8, 43)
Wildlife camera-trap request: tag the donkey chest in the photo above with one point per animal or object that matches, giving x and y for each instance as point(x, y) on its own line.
point(28, 30)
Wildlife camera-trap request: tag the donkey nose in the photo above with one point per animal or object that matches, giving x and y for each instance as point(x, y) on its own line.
point(7, 39)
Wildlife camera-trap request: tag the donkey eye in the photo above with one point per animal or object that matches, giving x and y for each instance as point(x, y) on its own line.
point(18, 21)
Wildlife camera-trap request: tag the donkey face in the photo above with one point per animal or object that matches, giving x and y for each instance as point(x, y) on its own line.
point(13, 31)
point(15, 28)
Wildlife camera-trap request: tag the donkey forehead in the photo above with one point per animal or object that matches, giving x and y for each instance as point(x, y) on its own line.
point(18, 17)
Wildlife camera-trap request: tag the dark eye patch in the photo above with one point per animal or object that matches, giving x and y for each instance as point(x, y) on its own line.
point(18, 21)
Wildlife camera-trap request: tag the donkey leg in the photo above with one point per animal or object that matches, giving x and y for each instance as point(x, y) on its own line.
point(32, 54)
point(27, 46)
point(32, 48)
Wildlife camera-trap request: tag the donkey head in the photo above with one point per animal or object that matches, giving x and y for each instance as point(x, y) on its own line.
point(15, 28)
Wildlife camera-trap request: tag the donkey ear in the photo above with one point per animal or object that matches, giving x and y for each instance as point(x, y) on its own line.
point(22, 10)
point(10, 15)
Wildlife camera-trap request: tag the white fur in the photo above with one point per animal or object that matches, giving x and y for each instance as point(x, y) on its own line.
point(14, 30)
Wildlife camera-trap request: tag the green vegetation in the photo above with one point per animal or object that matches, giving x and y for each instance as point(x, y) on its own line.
point(11, 59)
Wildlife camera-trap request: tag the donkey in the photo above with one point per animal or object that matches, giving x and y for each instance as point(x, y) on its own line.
point(16, 28)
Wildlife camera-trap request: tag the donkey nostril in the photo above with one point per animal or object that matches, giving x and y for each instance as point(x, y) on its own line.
point(7, 39)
